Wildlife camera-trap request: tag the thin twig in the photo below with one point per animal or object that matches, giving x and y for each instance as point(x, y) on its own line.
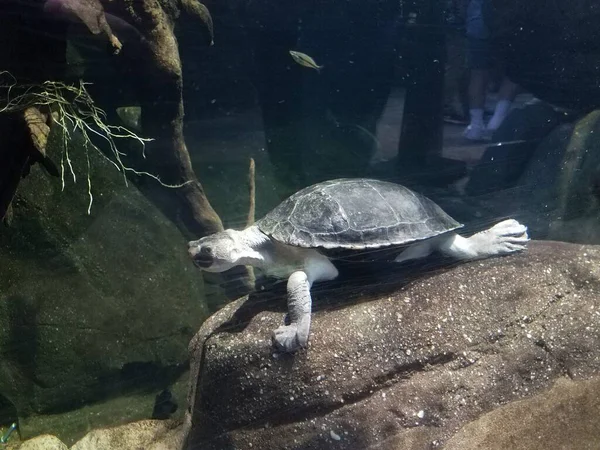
point(252, 193)
point(251, 211)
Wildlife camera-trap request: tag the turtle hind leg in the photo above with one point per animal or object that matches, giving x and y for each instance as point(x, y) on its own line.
point(416, 251)
point(506, 237)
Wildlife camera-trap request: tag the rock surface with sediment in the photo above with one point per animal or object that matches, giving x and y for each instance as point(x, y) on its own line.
point(393, 367)
point(43, 442)
point(145, 434)
point(142, 435)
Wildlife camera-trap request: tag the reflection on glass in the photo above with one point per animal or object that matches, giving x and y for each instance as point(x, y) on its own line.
point(354, 225)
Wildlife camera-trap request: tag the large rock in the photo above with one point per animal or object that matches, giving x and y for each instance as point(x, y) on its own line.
point(398, 367)
point(91, 306)
point(43, 442)
point(142, 435)
point(566, 416)
point(558, 195)
point(558, 192)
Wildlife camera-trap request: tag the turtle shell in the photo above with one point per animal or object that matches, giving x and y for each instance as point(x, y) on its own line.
point(355, 213)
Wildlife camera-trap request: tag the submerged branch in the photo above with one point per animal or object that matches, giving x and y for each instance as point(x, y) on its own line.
point(252, 193)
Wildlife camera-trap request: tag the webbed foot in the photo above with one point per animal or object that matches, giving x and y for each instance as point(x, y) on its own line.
point(506, 237)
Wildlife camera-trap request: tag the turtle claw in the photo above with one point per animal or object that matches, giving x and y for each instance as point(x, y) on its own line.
point(286, 339)
point(507, 237)
point(510, 228)
point(504, 238)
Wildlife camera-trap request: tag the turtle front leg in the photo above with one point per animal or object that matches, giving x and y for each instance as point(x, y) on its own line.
point(289, 338)
point(506, 237)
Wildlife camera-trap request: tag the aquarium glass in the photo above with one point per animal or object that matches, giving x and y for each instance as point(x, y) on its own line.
point(410, 193)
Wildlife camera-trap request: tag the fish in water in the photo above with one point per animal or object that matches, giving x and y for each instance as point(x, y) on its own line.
point(304, 60)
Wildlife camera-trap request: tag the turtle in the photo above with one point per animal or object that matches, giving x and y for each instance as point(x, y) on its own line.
point(350, 214)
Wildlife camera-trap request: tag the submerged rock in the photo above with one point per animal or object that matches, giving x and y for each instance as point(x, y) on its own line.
point(91, 306)
point(566, 416)
point(558, 192)
point(145, 434)
point(393, 367)
point(558, 195)
point(43, 442)
point(131, 117)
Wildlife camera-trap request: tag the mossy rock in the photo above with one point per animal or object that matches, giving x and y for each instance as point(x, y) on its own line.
point(91, 306)
point(558, 196)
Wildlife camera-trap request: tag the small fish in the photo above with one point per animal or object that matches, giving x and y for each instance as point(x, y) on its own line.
point(304, 60)
point(5, 436)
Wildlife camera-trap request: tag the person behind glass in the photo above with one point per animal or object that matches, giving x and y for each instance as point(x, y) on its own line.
point(483, 57)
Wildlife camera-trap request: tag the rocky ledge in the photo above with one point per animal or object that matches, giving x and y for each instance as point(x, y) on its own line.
point(392, 366)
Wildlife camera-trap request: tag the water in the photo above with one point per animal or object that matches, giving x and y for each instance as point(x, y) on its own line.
point(125, 137)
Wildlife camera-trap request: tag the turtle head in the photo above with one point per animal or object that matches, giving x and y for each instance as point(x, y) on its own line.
point(218, 252)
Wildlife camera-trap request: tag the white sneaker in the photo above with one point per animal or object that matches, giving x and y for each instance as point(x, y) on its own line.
point(476, 133)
